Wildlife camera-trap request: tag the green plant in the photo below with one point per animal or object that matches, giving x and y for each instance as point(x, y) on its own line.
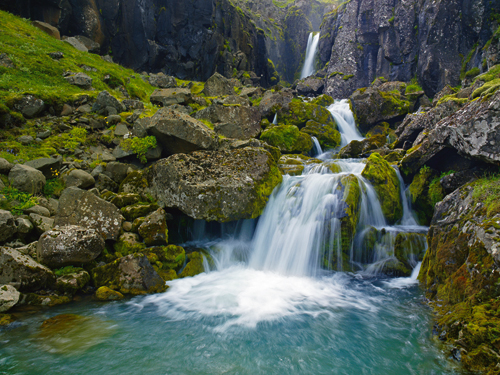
point(139, 146)
point(22, 200)
point(53, 187)
point(67, 270)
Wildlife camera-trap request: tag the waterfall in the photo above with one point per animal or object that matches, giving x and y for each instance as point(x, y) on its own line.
point(344, 117)
point(275, 120)
point(312, 47)
point(317, 147)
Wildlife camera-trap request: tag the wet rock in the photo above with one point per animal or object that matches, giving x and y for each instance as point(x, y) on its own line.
point(288, 139)
point(221, 186)
point(27, 179)
point(80, 80)
point(30, 106)
point(180, 133)
point(132, 274)
point(22, 272)
point(9, 296)
point(69, 245)
point(218, 85)
point(386, 183)
point(106, 294)
point(78, 178)
point(80, 207)
point(7, 225)
point(409, 249)
point(154, 229)
point(273, 102)
point(72, 282)
point(294, 165)
point(358, 149)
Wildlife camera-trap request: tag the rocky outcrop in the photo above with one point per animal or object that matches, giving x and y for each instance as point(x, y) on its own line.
point(461, 141)
point(216, 186)
point(366, 39)
point(80, 207)
point(69, 245)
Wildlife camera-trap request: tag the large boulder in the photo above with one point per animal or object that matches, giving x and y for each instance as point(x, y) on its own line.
point(385, 181)
point(310, 86)
point(30, 106)
point(373, 105)
point(327, 136)
point(78, 178)
point(273, 102)
point(178, 132)
point(232, 121)
point(162, 80)
point(467, 138)
point(221, 186)
point(288, 139)
point(80, 207)
point(154, 228)
point(218, 85)
point(132, 274)
point(299, 113)
point(9, 296)
point(27, 179)
point(69, 245)
point(48, 166)
point(72, 282)
point(48, 29)
point(8, 225)
point(22, 272)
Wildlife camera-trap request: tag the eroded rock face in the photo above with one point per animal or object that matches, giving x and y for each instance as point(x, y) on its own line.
point(460, 141)
point(216, 186)
point(178, 132)
point(69, 245)
point(22, 272)
point(80, 207)
point(132, 274)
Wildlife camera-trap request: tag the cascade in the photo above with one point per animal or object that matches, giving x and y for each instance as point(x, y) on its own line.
point(312, 47)
point(275, 120)
point(317, 150)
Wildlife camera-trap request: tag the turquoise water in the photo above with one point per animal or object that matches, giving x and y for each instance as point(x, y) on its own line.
point(240, 321)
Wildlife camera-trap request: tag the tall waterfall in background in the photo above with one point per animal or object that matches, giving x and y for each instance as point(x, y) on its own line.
point(312, 47)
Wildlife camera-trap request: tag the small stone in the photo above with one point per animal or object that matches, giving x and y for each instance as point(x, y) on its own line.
point(56, 55)
point(75, 43)
point(121, 130)
point(25, 139)
point(114, 119)
point(127, 226)
point(80, 80)
point(44, 134)
point(39, 210)
point(106, 294)
point(86, 108)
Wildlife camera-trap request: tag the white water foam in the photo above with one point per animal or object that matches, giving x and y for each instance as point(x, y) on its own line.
point(344, 117)
point(312, 47)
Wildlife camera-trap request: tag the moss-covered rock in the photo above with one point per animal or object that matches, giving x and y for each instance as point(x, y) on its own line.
point(300, 113)
point(409, 248)
point(386, 183)
point(128, 243)
point(49, 300)
point(327, 136)
point(419, 194)
point(294, 165)
point(125, 199)
point(154, 229)
point(323, 100)
point(288, 139)
point(171, 257)
point(221, 185)
point(358, 149)
point(72, 282)
point(106, 294)
point(194, 265)
point(132, 274)
point(138, 210)
point(134, 183)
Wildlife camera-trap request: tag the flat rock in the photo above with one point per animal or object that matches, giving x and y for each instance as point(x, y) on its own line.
point(80, 80)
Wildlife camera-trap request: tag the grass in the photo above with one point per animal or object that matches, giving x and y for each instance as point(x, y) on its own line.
point(38, 74)
point(487, 191)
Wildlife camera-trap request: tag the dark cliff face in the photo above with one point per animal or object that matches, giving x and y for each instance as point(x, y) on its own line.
point(429, 39)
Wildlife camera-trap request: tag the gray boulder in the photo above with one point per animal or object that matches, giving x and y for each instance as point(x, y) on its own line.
point(69, 245)
point(236, 121)
point(5, 166)
point(78, 178)
point(310, 86)
point(30, 106)
point(221, 186)
point(76, 43)
point(50, 167)
point(7, 225)
point(39, 210)
point(25, 140)
point(154, 228)
point(92, 46)
point(73, 282)
point(9, 296)
point(80, 207)
point(42, 223)
point(178, 132)
point(118, 171)
point(81, 80)
point(27, 179)
point(22, 272)
point(218, 85)
point(105, 100)
point(272, 102)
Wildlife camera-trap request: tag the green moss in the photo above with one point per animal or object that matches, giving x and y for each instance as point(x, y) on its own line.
point(394, 104)
point(472, 73)
point(17, 201)
point(328, 137)
point(287, 138)
point(67, 270)
point(488, 88)
point(323, 100)
point(386, 183)
point(37, 74)
point(301, 112)
point(194, 265)
point(139, 146)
